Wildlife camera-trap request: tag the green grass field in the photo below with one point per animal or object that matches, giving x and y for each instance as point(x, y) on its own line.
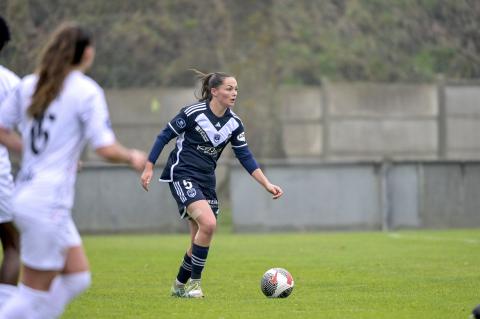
point(408, 274)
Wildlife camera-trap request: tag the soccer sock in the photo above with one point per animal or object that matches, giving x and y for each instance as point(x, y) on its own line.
point(27, 303)
point(6, 291)
point(199, 257)
point(185, 269)
point(64, 289)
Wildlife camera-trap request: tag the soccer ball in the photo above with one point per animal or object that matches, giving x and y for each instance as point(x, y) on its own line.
point(476, 312)
point(277, 283)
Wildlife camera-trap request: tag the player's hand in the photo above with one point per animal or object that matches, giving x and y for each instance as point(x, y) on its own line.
point(137, 159)
point(275, 190)
point(147, 176)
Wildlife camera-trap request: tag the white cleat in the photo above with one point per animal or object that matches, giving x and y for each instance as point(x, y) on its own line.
point(178, 290)
point(193, 289)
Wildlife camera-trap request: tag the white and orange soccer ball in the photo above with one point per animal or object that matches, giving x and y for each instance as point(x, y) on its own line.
point(277, 283)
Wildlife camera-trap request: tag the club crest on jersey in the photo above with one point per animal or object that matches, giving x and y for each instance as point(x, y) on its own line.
point(216, 138)
point(180, 123)
point(241, 137)
point(191, 192)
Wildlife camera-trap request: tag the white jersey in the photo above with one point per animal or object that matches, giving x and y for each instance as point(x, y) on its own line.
point(52, 145)
point(8, 81)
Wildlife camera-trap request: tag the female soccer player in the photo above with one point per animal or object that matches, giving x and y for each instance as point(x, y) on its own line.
point(57, 110)
point(203, 130)
point(10, 267)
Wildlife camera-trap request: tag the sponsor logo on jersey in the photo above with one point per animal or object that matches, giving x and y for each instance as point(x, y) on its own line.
point(202, 133)
point(212, 201)
point(191, 192)
point(241, 137)
point(180, 123)
point(209, 150)
point(218, 124)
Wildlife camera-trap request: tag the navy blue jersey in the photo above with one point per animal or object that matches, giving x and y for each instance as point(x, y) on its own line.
point(201, 139)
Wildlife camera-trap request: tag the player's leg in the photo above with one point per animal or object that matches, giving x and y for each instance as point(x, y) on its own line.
point(33, 297)
point(178, 190)
point(71, 282)
point(10, 267)
point(193, 205)
point(185, 270)
point(201, 212)
point(55, 266)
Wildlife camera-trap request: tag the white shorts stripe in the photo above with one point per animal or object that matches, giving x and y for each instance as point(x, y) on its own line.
point(184, 213)
point(180, 193)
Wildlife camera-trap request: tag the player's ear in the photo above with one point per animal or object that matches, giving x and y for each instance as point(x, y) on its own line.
point(88, 56)
point(214, 92)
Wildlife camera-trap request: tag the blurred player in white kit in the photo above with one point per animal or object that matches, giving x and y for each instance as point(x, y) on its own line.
point(57, 110)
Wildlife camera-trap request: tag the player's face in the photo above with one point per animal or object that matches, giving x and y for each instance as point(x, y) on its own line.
point(226, 94)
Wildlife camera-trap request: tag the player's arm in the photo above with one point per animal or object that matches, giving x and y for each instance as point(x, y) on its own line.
point(10, 140)
point(94, 115)
point(174, 128)
point(162, 139)
point(117, 153)
point(275, 190)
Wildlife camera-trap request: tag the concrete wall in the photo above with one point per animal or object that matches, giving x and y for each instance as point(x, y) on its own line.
point(328, 196)
point(362, 121)
point(370, 195)
point(462, 116)
point(110, 199)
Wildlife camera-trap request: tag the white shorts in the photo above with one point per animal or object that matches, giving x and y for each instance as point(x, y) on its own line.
point(6, 189)
point(45, 237)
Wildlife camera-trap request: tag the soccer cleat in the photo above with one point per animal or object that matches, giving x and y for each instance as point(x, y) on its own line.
point(193, 289)
point(178, 290)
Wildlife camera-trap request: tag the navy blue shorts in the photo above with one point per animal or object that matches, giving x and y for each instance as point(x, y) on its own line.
point(186, 191)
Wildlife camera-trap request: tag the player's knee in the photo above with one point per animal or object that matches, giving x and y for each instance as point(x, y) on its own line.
point(208, 228)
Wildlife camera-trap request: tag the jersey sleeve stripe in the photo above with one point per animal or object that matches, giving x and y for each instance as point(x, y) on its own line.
point(238, 146)
point(172, 128)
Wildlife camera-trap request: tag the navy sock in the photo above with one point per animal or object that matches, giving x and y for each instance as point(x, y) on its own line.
point(199, 257)
point(185, 269)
